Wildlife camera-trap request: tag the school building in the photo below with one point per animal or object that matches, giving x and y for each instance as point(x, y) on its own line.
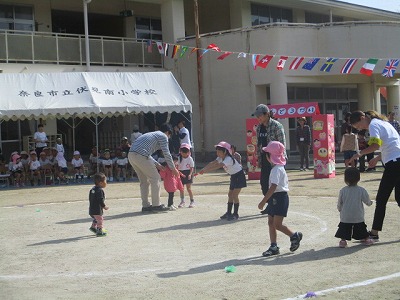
point(188, 38)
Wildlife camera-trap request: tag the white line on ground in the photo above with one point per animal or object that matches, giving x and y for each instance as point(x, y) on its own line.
point(350, 286)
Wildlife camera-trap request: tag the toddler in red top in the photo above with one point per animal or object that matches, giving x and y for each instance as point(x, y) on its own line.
point(172, 183)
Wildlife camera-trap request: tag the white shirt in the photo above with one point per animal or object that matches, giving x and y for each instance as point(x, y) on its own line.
point(60, 148)
point(62, 163)
point(231, 166)
point(279, 177)
point(186, 139)
point(122, 161)
point(35, 164)
point(384, 134)
point(77, 162)
point(186, 163)
point(42, 137)
point(107, 162)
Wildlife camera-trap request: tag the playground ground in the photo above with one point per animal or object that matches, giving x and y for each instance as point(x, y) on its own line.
point(47, 251)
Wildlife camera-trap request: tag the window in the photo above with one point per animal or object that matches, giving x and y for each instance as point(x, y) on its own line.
point(320, 18)
point(263, 14)
point(148, 29)
point(13, 17)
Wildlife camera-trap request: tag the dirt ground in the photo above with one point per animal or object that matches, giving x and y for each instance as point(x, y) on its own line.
point(47, 251)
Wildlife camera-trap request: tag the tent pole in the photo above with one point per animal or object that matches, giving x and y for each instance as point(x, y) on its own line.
point(97, 144)
point(73, 133)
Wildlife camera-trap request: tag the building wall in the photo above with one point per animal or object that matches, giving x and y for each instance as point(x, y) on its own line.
point(231, 87)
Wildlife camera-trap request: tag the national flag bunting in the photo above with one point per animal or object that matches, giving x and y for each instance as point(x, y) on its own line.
point(149, 44)
point(263, 62)
point(390, 67)
point(348, 66)
point(296, 63)
point(226, 54)
point(193, 50)
point(311, 64)
point(160, 48)
point(254, 59)
point(327, 66)
point(281, 63)
point(369, 66)
point(213, 47)
point(166, 46)
point(242, 54)
point(183, 51)
point(175, 50)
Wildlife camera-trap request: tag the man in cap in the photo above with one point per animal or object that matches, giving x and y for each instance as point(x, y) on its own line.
point(146, 167)
point(268, 130)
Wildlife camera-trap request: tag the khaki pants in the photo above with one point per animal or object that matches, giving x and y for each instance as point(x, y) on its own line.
point(148, 176)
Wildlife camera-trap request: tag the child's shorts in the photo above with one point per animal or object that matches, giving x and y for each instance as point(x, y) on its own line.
point(78, 168)
point(348, 154)
point(185, 180)
point(122, 166)
point(64, 170)
point(278, 204)
point(238, 181)
point(357, 231)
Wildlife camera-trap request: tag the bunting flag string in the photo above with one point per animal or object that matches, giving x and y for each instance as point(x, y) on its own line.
point(327, 65)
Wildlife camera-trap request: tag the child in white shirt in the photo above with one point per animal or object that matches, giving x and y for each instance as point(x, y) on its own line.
point(108, 164)
point(278, 199)
point(77, 164)
point(34, 168)
point(122, 163)
point(186, 167)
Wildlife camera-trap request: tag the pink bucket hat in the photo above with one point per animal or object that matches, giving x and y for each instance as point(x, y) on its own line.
point(184, 145)
point(224, 145)
point(276, 151)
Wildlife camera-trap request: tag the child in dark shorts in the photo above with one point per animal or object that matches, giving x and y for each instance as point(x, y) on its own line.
point(278, 199)
point(238, 179)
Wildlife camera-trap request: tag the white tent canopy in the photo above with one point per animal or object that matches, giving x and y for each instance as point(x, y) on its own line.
point(63, 95)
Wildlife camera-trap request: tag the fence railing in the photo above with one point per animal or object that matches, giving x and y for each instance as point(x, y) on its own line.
point(60, 48)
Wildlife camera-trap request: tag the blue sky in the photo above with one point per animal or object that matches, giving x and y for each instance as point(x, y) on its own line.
point(390, 5)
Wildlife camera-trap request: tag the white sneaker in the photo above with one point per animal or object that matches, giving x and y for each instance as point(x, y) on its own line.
point(192, 204)
point(172, 207)
point(182, 204)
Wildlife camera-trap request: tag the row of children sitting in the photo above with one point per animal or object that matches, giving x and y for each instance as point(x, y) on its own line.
point(114, 164)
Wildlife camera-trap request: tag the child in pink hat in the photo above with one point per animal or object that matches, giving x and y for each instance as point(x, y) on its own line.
point(278, 199)
point(186, 167)
point(238, 179)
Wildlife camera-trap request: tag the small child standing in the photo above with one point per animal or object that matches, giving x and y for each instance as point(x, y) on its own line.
point(238, 179)
point(171, 182)
point(97, 204)
point(186, 167)
point(350, 206)
point(349, 146)
point(278, 199)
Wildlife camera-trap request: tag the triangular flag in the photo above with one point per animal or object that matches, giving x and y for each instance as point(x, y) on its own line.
point(348, 66)
point(327, 66)
point(296, 63)
point(281, 63)
point(149, 44)
point(160, 47)
point(263, 62)
point(254, 59)
point(203, 52)
point(175, 50)
point(226, 54)
point(183, 50)
point(369, 66)
point(213, 47)
point(311, 64)
point(241, 54)
point(390, 68)
point(193, 50)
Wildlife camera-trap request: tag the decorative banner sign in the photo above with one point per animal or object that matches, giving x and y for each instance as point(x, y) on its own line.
point(295, 110)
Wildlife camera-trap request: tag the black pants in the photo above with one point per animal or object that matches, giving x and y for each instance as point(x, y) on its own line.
point(304, 149)
point(390, 180)
point(264, 178)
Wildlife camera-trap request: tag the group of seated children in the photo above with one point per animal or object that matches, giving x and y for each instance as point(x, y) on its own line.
point(113, 163)
point(50, 164)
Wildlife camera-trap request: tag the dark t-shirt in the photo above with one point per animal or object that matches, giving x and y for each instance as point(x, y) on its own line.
point(96, 201)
